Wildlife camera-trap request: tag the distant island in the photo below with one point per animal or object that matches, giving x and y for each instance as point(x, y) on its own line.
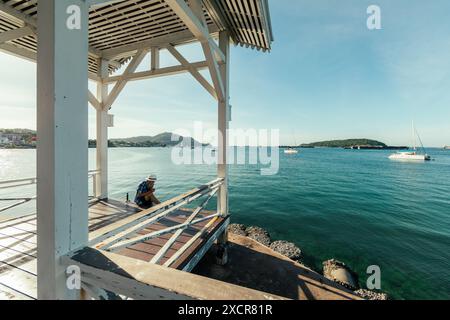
point(26, 139)
point(161, 140)
point(351, 144)
point(17, 139)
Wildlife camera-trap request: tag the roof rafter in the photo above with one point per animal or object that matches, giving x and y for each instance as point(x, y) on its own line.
point(195, 21)
point(119, 28)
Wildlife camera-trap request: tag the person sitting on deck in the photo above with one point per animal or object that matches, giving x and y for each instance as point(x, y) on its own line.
point(145, 194)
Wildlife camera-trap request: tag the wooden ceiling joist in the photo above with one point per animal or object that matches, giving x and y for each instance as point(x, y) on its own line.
point(119, 28)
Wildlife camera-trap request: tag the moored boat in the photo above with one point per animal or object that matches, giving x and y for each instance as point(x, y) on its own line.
point(413, 155)
point(290, 151)
point(410, 156)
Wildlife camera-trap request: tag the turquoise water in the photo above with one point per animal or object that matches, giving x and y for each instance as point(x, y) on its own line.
point(353, 205)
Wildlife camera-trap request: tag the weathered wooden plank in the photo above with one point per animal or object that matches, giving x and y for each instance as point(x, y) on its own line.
point(18, 243)
point(7, 293)
point(17, 259)
point(143, 280)
point(29, 238)
point(114, 228)
point(19, 280)
point(192, 261)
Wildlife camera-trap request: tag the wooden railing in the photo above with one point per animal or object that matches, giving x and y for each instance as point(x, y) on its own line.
point(122, 234)
point(17, 201)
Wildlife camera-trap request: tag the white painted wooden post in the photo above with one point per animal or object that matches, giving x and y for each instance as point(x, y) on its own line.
point(62, 148)
point(223, 125)
point(102, 136)
point(154, 59)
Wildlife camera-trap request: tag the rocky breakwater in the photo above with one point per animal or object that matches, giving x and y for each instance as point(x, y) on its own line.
point(260, 235)
point(333, 269)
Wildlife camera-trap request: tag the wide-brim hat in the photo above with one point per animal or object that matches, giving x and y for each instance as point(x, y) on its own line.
point(152, 177)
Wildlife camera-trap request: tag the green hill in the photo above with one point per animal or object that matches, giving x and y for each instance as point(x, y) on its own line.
point(160, 140)
point(345, 143)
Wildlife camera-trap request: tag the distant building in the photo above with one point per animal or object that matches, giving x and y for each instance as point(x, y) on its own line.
point(3, 139)
point(13, 137)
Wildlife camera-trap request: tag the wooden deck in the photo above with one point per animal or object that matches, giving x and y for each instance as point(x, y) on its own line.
point(18, 244)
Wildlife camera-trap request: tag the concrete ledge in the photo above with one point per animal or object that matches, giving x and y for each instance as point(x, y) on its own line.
point(256, 266)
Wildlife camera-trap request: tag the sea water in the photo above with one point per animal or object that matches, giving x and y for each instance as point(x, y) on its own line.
point(353, 205)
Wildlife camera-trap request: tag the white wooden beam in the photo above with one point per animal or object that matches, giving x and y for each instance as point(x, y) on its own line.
point(31, 56)
point(156, 234)
point(223, 145)
point(138, 279)
point(99, 3)
point(113, 229)
point(162, 252)
point(18, 52)
point(102, 135)
point(193, 71)
point(167, 71)
point(180, 37)
point(118, 87)
point(154, 63)
point(62, 153)
point(32, 22)
point(190, 19)
point(93, 101)
point(223, 126)
point(5, 8)
point(15, 34)
point(194, 19)
point(214, 71)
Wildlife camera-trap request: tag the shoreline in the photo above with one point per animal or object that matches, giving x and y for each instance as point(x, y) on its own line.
point(334, 270)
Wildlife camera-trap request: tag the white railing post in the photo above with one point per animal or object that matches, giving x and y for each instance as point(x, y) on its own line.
point(62, 146)
point(94, 184)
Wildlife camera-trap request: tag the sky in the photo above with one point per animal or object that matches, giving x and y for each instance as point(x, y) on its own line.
point(327, 77)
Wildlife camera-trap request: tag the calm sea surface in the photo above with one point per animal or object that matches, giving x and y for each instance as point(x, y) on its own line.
point(355, 206)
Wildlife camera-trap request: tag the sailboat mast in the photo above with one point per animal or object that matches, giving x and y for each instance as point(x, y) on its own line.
point(413, 135)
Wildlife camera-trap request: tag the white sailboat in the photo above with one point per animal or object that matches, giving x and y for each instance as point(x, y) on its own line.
point(412, 155)
point(291, 150)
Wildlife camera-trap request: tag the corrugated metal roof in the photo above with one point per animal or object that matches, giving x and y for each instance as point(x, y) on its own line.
point(121, 24)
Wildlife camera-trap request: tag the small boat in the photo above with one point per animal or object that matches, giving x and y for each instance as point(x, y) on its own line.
point(410, 156)
point(446, 147)
point(413, 155)
point(290, 151)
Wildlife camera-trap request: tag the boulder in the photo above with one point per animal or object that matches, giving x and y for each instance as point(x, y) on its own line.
point(338, 272)
point(371, 295)
point(258, 234)
point(237, 228)
point(287, 249)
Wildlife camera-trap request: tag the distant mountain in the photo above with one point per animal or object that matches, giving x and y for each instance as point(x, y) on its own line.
point(17, 131)
point(346, 143)
point(160, 140)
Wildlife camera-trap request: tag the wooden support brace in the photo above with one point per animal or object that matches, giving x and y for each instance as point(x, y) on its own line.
point(194, 72)
point(131, 68)
point(15, 34)
point(194, 19)
point(93, 101)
